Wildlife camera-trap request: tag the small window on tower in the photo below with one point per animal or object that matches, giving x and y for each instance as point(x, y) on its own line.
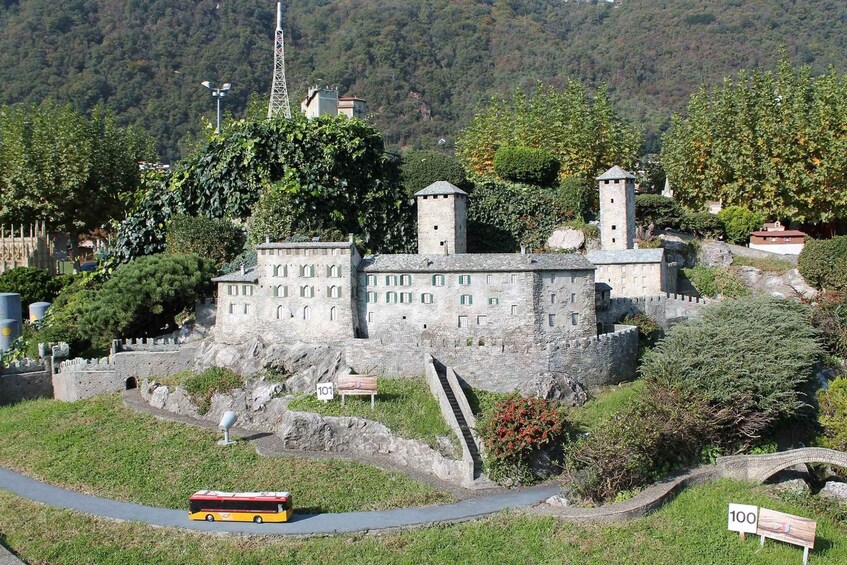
point(435, 227)
point(612, 200)
point(614, 227)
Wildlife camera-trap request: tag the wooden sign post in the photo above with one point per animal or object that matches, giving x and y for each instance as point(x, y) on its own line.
point(788, 528)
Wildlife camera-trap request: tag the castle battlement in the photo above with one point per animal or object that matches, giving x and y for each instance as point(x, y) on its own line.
point(145, 344)
point(23, 366)
point(79, 364)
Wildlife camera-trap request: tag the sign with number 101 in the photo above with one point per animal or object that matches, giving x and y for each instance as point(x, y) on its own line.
point(325, 391)
point(743, 518)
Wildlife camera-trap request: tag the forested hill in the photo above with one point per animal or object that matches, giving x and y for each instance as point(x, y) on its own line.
point(423, 65)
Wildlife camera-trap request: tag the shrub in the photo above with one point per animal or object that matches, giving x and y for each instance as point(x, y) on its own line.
point(202, 386)
point(32, 283)
point(829, 317)
point(578, 197)
point(648, 329)
point(526, 164)
point(703, 224)
point(422, 168)
point(657, 212)
point(832, 403)
point(823, 263)
point(516, 430)
point(143, 297)
point(715, 281)
point(750, 360)
point(739, 223)
point(62, 320)
point(218, 240)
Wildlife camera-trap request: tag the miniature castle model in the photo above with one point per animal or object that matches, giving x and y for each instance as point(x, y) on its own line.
point(26, 247)
point(325, 101)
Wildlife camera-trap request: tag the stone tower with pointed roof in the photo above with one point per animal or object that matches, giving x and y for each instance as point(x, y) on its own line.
point(442, 219)
point(617, 209)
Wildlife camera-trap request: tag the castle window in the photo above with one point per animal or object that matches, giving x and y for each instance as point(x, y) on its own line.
point(573, 297)
point(489, 279)
point(391, 297)
point(370, 317)
point(574, 318)
point(614, 227)
point(514, 309)
point(437, 280)
point(307, 313)
point(405, 280)
point(247, 290)
point(333, 314)
point(613, 240)
point(435, 227)
point(307, 291)
point(280, 270)
point(551, 319)
point(553, 298)
point(466, 299)
point(246, 308)
point(391, 280)
point(573, 279)
point(463, 321)
point(278, 312)
point(370, 298)
point(426, 298)
point(513, 278)
point(334, 292)
point(482, 320)
point(371, 280)
point(333, 271)
point(552, 277)
point(493, 301)
point(405, 298)
point(281, 291)
point(464, 279)
point(307, 271)
point(232, 290)
point(232, 308)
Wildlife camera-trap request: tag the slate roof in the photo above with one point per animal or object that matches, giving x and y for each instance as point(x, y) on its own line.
point(624, 256)
point(251, 275)
point(616, 173)
point(474, 262)
point(440, 187)
point(307, 245)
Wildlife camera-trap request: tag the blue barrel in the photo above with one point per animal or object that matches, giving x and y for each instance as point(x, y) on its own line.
point(7, 333)
point(10, 309)
point(37, 310)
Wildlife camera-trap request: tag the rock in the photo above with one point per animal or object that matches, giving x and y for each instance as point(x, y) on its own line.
point(446, 447)
point(678, 250)
point(566, 238)
point(159, 397)
point(262, 394)
point(558, 501)
point(793, 485)
point(714, 254)
point(789, 284)
point(836, 490)
point(551, 387)
point(304, 431)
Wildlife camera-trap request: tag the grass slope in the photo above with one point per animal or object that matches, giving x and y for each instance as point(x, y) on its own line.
point(405, 406)
point(99, 446)
point(691, 530)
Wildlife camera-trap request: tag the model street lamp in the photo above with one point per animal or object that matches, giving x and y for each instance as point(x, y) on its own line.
point(218, 94)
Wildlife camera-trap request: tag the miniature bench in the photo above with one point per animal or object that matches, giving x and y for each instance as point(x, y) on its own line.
point(357, 385)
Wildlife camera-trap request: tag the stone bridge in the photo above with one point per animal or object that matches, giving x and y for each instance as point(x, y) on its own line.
point(760, 468)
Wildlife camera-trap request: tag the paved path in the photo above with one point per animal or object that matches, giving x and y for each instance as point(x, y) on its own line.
point(302, 524)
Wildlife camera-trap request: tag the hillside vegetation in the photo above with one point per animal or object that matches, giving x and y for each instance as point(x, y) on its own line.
point(423, 65)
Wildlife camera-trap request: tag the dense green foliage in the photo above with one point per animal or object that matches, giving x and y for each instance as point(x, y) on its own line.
point(422, 65)
point(739, 223)
point(98, 446)
point(833, 414)
point(714, 382)
point(715, 281)
point(515, 431)
point(405, 406)
point(422, 168)
point(333, 172)
point(582, 132)
point(528, 165)
point(143, 297)
point(829, 316)
point(578, 198)
point(74, 172)
point(502, 216)
point(657, 212)
point(769, 141)
point(33, 284)
point(217, 240)
point(62, 320)
point(823, 263)
point(703, 225)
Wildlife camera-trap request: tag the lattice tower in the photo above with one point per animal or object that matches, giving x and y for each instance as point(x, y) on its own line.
point(279, 90)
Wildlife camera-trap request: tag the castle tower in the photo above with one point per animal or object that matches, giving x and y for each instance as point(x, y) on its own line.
point(617, 209)
point(442, 219)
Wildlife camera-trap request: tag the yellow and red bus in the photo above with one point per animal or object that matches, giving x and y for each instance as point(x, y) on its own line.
point(258, 507)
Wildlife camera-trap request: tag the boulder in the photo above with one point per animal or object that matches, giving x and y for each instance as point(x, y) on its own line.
point(714, 254)
point(566, 238)
point(558, 501)
point(555, 387)
point(678, 250)
point(788, 284)
point(834, 490)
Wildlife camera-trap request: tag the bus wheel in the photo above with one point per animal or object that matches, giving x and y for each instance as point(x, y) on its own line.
point(210, 518)
point(258, 519)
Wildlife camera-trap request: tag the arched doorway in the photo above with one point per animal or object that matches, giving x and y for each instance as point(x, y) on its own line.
point(131, 383)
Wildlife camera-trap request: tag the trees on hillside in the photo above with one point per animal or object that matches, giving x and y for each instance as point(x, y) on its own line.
point(773, 142)
point(75, 173)
point(580, 130)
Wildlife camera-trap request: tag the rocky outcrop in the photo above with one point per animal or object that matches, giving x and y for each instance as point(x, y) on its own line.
point(566, 238)
point(835, 490)
point(302, 365)
point(714, 254)
point(551, 387)
point(678, 249)
point(788, 284)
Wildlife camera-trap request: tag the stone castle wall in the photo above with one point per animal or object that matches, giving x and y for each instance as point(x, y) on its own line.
point(84, 378)
point(665, 309)
point(25, 380)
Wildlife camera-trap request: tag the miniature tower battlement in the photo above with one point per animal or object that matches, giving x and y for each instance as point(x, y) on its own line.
point(442, 219)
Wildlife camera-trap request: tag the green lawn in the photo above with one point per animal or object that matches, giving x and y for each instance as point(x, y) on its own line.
point(690, 530)
point(405, 406)
point(603, 404)
point(769, 265)
point(99, 446)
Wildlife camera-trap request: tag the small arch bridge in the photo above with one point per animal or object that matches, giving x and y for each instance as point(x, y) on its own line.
point(760, 468)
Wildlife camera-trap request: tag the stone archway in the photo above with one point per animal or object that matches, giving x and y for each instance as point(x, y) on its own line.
point(131, 383)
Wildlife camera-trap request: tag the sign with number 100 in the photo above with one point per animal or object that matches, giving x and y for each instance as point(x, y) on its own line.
point(743, 518)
